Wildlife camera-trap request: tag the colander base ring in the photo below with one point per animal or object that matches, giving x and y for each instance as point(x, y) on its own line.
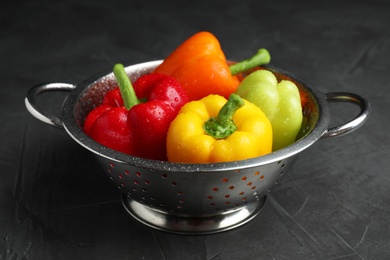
point(163, 221)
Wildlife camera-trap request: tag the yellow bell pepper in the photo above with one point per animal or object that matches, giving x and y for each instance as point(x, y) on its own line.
point(216, 130)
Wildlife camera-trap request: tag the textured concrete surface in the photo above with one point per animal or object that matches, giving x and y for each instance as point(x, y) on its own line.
point(56, 203)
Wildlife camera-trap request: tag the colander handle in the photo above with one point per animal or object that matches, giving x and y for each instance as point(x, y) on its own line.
point(355, 123)
point(35, 110)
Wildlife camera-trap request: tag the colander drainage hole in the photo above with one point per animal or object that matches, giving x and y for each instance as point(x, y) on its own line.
point(282, 164)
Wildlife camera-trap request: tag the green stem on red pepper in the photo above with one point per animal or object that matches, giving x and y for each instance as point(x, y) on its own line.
point(261, 57)
point(223, 125)
point(126, 88)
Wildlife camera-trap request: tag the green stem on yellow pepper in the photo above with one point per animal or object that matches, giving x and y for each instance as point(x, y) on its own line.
point(126, 88)
point(261, 57)
point(223, 125)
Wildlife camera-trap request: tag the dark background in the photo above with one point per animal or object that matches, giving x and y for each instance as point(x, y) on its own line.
point(56, 203)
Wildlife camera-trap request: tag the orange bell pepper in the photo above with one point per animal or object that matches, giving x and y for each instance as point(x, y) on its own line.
point(199, 64)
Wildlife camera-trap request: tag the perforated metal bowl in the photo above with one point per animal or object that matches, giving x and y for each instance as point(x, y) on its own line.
point(192, 198)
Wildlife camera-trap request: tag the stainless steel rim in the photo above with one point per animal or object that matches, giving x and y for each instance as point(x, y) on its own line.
point(80, 137)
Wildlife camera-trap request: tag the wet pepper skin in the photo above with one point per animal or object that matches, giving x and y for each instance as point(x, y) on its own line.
point(280, 101)
point(188, 142)
point(199, 64)
point(107, 125)
point(149, 121)
point(126, 124)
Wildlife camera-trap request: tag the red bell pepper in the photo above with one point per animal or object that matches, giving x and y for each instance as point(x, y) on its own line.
point(142, 132)
point(113, 98)
point(108, 126)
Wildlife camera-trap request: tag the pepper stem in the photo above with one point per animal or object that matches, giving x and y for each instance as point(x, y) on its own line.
point(223, 125)
point(261, 57)
point(126, 88)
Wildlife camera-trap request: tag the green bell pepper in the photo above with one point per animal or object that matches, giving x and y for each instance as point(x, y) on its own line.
point(280, 102)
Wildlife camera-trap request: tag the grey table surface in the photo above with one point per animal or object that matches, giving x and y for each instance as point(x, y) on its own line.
point(57, 203)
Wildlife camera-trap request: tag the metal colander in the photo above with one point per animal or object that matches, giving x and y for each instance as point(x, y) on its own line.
point(192, 198)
